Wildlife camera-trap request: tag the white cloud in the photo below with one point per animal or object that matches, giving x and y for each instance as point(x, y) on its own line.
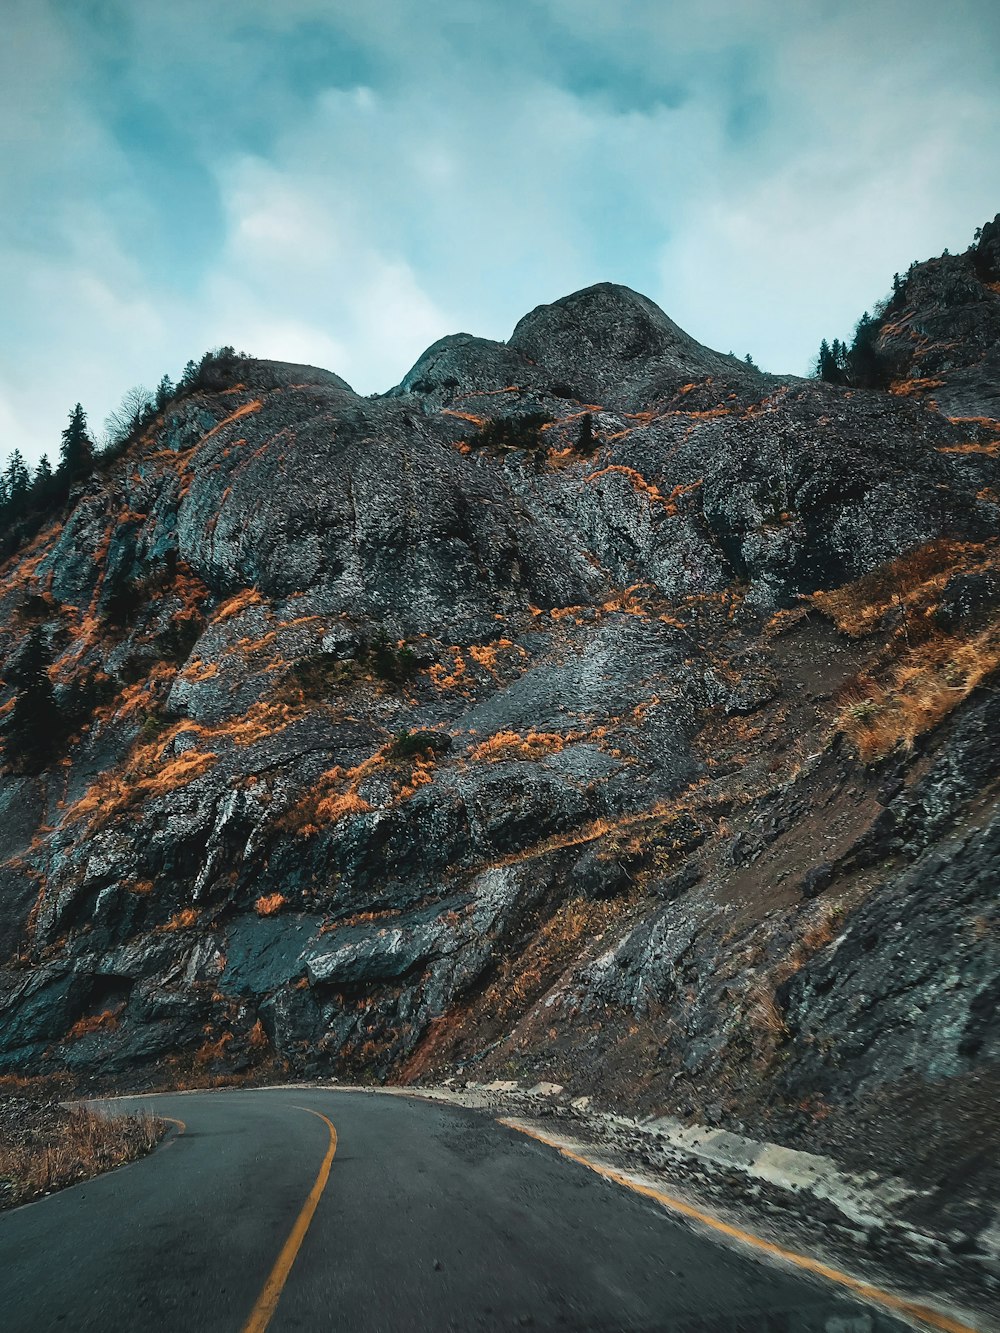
point(759, 170)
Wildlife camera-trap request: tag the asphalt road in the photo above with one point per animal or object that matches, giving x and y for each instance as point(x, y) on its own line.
point(432, 1218)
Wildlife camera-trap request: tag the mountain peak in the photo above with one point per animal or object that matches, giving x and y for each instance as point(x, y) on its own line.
point(604, 343)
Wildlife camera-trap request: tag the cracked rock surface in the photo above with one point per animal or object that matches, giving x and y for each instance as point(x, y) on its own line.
point(590, 708)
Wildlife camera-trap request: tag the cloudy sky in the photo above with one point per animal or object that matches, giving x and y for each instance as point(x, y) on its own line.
point(343, 183)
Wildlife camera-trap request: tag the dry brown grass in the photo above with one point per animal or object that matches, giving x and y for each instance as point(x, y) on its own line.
point(455, 679)
point(763, 1012)
point(919, 691)
point(923, 671)
point(152, 769)
point(524, 979)
point(182, 920)
point(80, 1145)
point(512, 745)
point(334, 796)
point(233, 607)
point(914, 387)
point(210, 1052)
point(106, 1021)
point(910, 583)
point(971, 447)
point(269, 904)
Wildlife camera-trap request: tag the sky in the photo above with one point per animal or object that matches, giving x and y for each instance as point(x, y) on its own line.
point(342, 184)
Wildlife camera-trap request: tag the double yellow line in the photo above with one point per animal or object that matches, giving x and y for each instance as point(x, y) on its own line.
point(267, 1301)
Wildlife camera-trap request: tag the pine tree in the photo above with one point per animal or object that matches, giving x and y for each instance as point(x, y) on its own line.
point(15, 485)
point(34, 727)
point(77, 449)
point(826, 364)
point(42, 484)
point(585, 440)
point(861, 359)
point(164, 393)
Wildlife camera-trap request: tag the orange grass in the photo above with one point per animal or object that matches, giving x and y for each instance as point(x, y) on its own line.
point(991, 450)
point(526, 976)
point(455, 679)
point(75, 1148)
point(919, 691)
point(182, 920)
point(233, 607)
point(512, 745)
point(908, 388)
point(148, 773)
point(103, 1022)
point(911, 580)
point(924, 671)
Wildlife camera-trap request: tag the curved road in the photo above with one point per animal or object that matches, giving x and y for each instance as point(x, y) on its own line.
point(431, 1218)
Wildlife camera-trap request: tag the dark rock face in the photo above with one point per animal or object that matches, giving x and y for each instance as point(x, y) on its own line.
point(421, 745)
point(618, 348)
point(941, 342)
point(969, 599)
point(867, 980)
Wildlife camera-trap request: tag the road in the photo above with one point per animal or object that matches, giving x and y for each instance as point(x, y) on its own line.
point(408, 1216)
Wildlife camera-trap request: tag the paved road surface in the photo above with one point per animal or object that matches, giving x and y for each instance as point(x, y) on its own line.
point(432, 1218)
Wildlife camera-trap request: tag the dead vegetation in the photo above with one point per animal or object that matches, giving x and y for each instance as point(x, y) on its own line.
point(512, 745)
point(47, 1147)
point(927, 665)
point(555, 946)
point(917, 693)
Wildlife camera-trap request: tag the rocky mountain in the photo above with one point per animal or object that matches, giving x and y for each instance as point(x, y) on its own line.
point(590, 707)
point(940, 338)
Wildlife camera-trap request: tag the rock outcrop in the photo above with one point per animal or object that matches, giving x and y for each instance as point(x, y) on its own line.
point(591, 705)
point(940, 339)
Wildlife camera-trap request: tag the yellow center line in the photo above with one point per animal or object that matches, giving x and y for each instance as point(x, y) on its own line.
point(909, 1308)
point(267, 1301)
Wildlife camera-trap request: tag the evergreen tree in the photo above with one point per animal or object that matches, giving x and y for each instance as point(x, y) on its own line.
point(832, 363)
point(825, 362)
point(15, 486)
point(43, 487)
point(862, 360)
point(34, 727)
point(164, 393)
point(77, 449)
point(586, 443)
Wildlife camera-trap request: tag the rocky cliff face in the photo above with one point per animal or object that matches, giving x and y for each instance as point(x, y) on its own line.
point(940, 339)
point(591, 706)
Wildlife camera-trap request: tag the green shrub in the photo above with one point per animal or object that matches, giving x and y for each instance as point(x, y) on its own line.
point(320, 674)
point(513, 432)
point(390, 663)
point(408, 744)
